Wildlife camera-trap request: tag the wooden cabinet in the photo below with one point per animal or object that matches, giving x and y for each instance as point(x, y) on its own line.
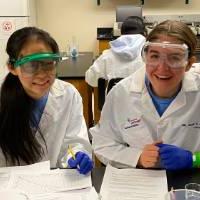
point(97, 112)
point(103, 44)
point(86, 93)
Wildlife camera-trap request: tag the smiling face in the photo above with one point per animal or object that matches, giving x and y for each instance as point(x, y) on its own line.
point(164, 79)
point(39, 84)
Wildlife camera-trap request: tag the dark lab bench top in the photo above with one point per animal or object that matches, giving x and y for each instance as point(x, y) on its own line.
point(175, 179)
point(75, 67)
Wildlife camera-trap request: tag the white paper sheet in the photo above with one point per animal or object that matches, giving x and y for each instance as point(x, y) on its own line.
point(51, 181)
point(38, 182)
point(5, 172)
point(84, 194)
point(133, 184)
point(37, 167)
point(12, 195)
point(4, 180)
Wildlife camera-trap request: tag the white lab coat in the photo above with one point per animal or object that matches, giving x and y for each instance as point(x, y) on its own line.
point(121, 60)
point(129, 120)
point(195, 68)
point(62, 123)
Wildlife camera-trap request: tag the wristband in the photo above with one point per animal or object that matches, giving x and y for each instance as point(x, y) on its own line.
point(196, 160)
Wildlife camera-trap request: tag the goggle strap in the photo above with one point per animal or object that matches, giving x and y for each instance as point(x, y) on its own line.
point(165, 44)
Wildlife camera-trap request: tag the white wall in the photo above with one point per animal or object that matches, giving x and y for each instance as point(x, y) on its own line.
point(80, 18)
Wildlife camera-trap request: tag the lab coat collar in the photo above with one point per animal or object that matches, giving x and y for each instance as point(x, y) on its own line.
point(56, 91)
point(57, 88)
point(189, 82)
point(52, 108)
point(138, 81)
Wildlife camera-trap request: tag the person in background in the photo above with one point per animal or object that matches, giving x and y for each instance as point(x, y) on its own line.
point(151, 118)
point(195, 67)
point(40, 116)
point(124, 56)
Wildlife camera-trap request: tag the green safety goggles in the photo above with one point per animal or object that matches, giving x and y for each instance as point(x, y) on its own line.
point(33, 63)
point(37, 57)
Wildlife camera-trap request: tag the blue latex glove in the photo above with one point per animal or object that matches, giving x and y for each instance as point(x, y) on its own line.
point(83, 163)
point(174, 158)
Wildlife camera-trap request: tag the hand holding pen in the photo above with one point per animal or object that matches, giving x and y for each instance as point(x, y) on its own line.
point(81, 161)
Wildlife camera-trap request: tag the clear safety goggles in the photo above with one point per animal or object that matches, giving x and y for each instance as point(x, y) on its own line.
point(33, 63)
point(173, 55)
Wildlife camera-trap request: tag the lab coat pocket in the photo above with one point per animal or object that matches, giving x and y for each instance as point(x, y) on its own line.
point(136, 134)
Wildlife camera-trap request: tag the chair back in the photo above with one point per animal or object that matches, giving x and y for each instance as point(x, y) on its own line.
point(104, 87)
point(112, 82)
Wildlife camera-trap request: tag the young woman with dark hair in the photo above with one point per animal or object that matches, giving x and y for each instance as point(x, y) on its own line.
point(40, 115)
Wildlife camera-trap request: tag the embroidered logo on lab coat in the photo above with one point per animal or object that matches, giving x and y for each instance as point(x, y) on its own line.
point(132, 123)
point(192, 125)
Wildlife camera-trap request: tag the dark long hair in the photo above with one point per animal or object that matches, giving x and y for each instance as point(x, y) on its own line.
point(17, 138)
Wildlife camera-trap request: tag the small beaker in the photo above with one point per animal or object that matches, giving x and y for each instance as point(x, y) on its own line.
point(192, 191)
point(177, 194)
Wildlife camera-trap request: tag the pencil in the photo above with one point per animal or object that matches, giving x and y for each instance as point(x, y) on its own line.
point(70, 151)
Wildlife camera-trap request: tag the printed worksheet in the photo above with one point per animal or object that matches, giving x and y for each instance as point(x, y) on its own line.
point(5, 172)
point(51, 181)
point(133, 184)
point(4, 179)
point(84, 194)
point(38, 182)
